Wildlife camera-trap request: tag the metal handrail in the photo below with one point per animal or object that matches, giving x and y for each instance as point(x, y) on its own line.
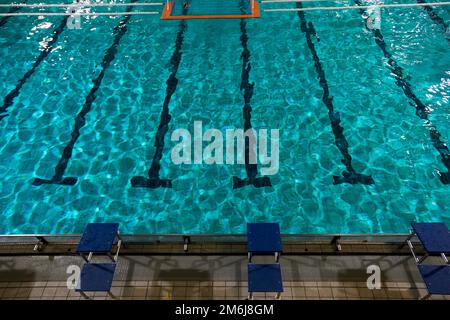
point(79, 4)
point(193, 238)
point(381, 235)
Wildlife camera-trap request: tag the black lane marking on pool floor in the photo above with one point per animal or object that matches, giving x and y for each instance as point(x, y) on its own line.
point(4, 20)
point(247, 87)
point(350, 175)
point(9, 99)
point(421, 109)
point(80, 119)
point(436, 18)
point(154, 181)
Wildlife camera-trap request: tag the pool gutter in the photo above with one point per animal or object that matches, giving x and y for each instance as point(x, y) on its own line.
point(213, 244)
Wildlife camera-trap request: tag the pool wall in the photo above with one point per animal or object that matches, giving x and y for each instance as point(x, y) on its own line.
point(213, 244)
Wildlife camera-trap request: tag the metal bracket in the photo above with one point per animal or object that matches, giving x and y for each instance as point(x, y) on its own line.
point(336, 242)
point(277, 257)
point(39, 246)
point(119, 237)
point(186, 241)
point(116, 256)
point(119, 245)
point(411, 234)
point(411, 248)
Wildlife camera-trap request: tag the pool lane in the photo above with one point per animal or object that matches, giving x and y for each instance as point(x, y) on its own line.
point(117, 141)
point(287, 97)
point(80, 120)
point(22, 41)
point(35, 135)
point(49, 46)
point(350, 175)
point(25, 43)
point(436, 18)
point(154, 181)
point(418, 45)
point(380, 131)
point(209, 92)
point(4, 20)
point(421, 109)
point(247, 88)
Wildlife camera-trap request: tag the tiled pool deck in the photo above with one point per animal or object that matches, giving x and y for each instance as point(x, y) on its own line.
point(215, 277)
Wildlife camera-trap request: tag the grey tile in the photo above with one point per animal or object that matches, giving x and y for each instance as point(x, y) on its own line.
point(219, 292)
point(56, 284)
point(287, 291)
point(310, 283)
point(62, 292)
point(394, 294)
point(14, 284)
point(23, 293)
point(365, 293)
point(137, 283)
point(339, 295)
point(298, 293)
point(128, 291)
point(410, 294)
point(154, 291)
point(9, 293)
point(232, 291)
point(49, 292)
point(35, 284)
point(140, 292)
point(179, 292)
point(325, 293)
point(312, 292)
point(179, 283)
point(380, 294)
point(205, 292)
point(352, 293)
point(36, 292)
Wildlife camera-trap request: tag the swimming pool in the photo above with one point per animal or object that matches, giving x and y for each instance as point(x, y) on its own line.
point(87, 103)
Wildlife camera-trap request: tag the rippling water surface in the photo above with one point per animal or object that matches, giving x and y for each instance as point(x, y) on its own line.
point(123, 80)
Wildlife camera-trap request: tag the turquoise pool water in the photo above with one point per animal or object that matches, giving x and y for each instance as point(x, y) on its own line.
point(119, 77)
